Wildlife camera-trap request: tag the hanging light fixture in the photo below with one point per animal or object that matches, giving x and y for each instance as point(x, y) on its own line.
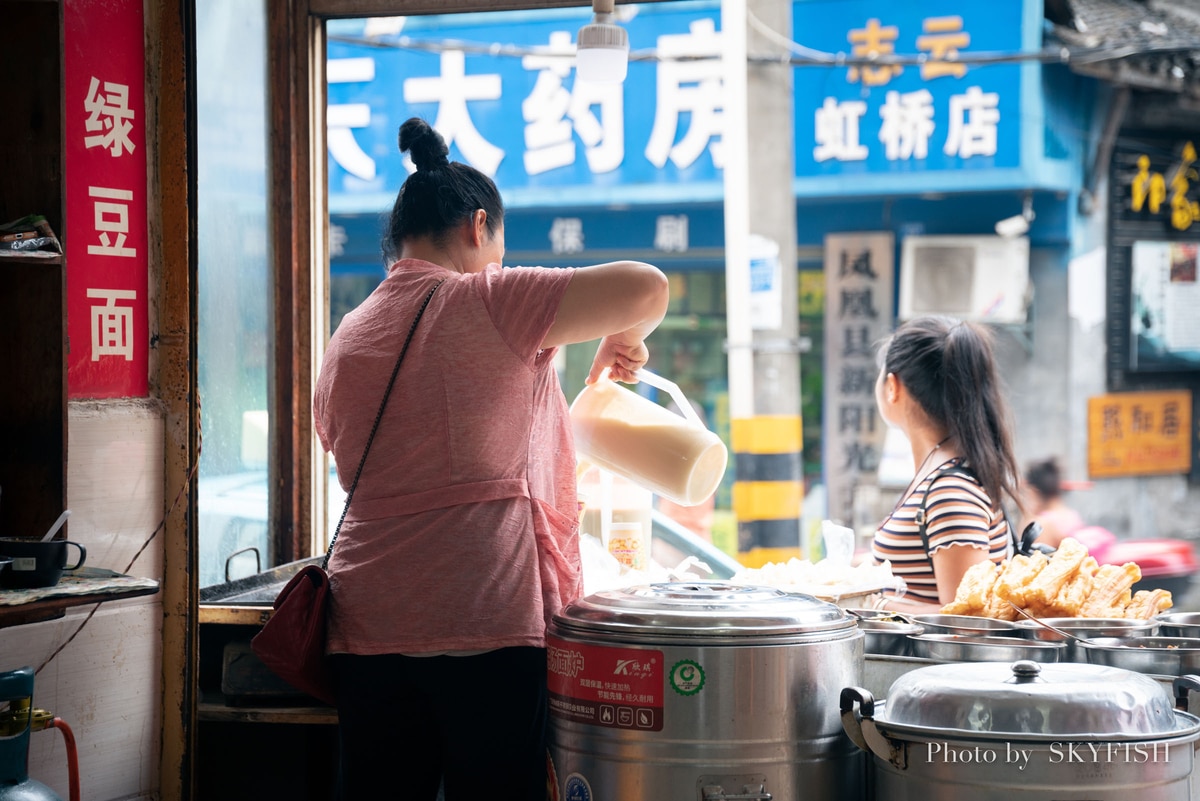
point(602, 47)
point(1018, 224)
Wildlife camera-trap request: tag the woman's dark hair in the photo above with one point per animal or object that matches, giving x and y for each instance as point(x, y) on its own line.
point(949, 368)
point(440, 195)
point(1045, 477)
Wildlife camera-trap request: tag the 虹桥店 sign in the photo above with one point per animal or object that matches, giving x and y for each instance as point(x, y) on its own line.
point(106, 238)
point(941, 114)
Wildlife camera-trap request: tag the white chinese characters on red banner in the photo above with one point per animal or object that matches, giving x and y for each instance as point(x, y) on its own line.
point(106, 226)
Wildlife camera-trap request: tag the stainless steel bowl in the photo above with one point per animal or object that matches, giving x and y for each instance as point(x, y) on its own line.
point(1161, 656)
point(888, 637)
point(975, 648)
point(965, 624)
point(1179, 624)
point(1084, 628)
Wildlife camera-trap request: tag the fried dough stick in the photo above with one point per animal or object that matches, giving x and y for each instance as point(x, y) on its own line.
point(1018, 573)
point(1148, 603)
point(1074, 593)
point(1045, 587)
point(1110, 590)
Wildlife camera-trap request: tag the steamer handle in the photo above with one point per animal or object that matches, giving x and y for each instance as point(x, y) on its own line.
point(1182, 685)
point(852, 718)
point(666, 385)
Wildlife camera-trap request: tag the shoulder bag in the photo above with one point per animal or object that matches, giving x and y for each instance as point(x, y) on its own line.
point(292, 643)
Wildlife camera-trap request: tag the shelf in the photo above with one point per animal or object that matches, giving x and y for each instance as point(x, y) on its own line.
point(76, 588)
point(25, 259)
point(213, 708)
point(235, 615)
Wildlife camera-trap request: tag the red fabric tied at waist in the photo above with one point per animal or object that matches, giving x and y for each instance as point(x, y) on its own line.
point(438, 498)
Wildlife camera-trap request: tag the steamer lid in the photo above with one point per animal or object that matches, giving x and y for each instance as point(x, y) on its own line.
point(706, 611)
point(1030, 700)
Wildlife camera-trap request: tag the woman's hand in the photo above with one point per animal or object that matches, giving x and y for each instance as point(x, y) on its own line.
point(620, 359)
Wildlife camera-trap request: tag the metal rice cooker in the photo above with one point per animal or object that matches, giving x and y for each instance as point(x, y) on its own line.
point(1039, 732)
point(702, 691)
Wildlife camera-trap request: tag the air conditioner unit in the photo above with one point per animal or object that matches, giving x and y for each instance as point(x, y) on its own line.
point(979, 278)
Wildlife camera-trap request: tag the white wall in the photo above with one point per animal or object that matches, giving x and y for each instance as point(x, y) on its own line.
point(106, 684)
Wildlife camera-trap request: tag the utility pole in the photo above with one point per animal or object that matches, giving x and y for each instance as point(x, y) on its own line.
point(761, 292)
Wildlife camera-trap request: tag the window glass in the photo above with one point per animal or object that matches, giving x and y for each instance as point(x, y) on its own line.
point(234, 288)
point(517, 113)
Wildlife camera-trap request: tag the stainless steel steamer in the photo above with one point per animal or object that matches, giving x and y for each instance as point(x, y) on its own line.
point(993, 731)
point(702, 692)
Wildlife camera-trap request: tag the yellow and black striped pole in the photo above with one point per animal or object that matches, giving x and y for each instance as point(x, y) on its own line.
point(768, 490)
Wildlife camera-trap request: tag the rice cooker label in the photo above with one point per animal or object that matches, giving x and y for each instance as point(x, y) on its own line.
point(687, 677)
point(618, 688)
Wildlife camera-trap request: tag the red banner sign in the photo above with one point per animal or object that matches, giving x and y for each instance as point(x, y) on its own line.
point(619, 688)
point(106, 239)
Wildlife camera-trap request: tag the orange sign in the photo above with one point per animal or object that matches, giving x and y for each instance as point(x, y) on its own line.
point(1140, 433)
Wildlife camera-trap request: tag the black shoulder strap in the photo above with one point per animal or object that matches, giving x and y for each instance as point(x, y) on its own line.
point(923, 523)
point(375, 426)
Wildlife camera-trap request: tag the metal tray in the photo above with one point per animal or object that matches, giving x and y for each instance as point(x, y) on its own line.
point(966, 648)
point(1179, 624)
point(888, 637)
point(1162, 656)
point(966, 624)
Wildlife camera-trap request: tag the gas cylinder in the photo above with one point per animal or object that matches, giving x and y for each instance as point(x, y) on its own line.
point(16, 690)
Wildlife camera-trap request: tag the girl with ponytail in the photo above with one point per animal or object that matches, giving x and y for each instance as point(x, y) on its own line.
point(939, 385)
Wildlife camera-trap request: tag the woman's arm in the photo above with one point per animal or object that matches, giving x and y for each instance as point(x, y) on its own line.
point(619, 303)
point(950, 564)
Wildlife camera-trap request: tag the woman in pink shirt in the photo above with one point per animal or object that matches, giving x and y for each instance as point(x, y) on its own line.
point(460, 542)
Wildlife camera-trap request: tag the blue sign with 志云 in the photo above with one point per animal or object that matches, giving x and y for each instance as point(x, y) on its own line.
point(942, 114)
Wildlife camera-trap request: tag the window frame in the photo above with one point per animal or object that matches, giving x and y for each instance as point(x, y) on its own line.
point(298, 466)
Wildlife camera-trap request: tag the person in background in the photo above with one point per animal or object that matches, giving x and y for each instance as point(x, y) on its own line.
point(460, 542)
point(939, 385)
point(1045, 504)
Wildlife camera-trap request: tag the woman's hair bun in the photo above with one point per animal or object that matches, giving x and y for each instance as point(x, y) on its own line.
point(428, 149)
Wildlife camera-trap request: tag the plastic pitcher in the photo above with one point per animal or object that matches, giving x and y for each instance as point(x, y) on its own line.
point(669, 454)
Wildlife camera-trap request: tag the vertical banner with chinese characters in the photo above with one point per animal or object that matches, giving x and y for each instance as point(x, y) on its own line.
point(858, 313)
point(1140, 433)
point(104, 122)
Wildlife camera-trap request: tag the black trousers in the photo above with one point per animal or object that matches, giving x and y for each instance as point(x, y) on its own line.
point(475, 724)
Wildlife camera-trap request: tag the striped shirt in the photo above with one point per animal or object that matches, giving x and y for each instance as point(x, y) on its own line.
point(958, 512)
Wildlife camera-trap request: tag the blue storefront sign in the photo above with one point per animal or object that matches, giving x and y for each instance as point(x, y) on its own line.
point(524, 119)
point(959, 112)
point(637, 166)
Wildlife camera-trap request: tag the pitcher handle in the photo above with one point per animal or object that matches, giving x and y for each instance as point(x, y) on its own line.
point(658, 382)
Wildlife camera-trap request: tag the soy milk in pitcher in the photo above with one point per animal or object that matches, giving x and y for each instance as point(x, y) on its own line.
point(674, 456)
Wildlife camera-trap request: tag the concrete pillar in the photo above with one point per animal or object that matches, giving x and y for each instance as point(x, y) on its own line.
point(760, 234)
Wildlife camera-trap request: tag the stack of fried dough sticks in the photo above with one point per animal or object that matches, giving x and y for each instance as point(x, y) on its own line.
point(1068, 584)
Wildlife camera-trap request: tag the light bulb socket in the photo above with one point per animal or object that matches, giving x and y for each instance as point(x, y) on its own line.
point(602, 51)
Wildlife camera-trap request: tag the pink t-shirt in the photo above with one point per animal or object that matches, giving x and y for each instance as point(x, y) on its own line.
point(461, 535)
